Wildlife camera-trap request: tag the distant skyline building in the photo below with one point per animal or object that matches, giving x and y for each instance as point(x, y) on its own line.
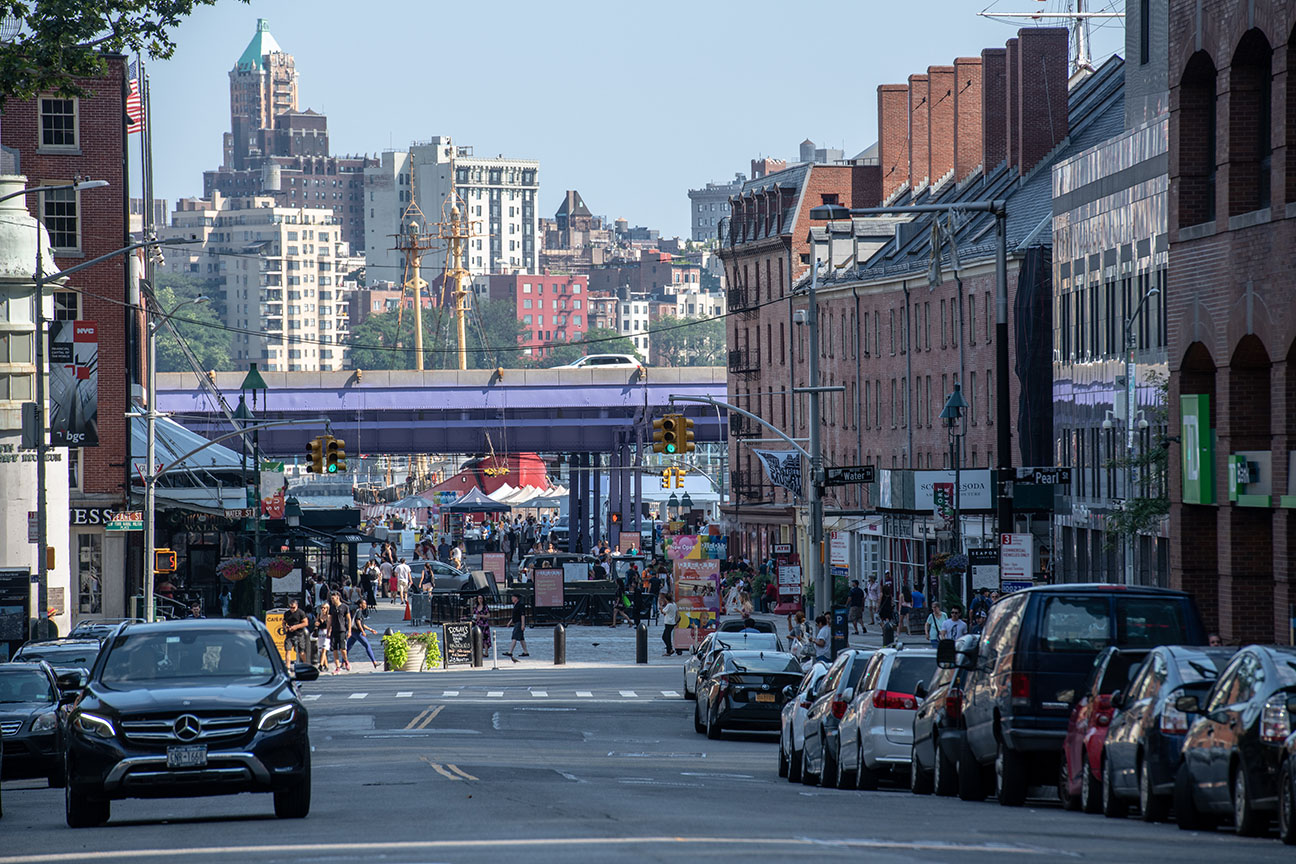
point(710, 204)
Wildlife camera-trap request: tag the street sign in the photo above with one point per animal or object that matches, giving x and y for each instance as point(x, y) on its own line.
point(984, 565)
point(126, 520)
point(850, 475)
point(33, 527)
point(779, 548)
point(1016, 557)
point(1044, 476)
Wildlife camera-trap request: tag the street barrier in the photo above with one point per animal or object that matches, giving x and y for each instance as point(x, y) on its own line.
point(476, 645)
point(560, 645)
point(641, 643)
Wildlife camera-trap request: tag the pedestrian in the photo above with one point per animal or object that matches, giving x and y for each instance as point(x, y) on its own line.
point(887, 613)
point(457, 556)
point(359, 629)
point(1213, 640)
point(481, 618)
point(319, 591)
point(669, 613)
point(369, 578)
point(620, 602)
point(518, 619)
point(955, 626)
point(320, 627)
point(195, 610)
point(906, 610)
point(226, 598)
point(295, 625)
point(980, 603)
point(874, 597)
point(822, 640)
point(636, 597)
point(403, 578)
point(654, 590)
point(427, 582)
point(856, 607)
point(339, 625)
point(935, 620)
point(387, 572)
point(770, 597)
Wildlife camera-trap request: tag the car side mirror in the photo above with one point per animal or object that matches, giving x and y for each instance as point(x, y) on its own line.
point(920, 690)
point(304, 672)
point(789, 692)
point(946, 656)
point(1118, 699)
point(73, 681)
point(1291, 704)
point(1188, 704)
point(849, 694)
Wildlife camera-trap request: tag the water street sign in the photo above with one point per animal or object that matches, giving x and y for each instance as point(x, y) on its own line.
point(850, 475)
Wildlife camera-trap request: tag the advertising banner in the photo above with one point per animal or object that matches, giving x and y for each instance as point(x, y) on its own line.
point(548, 587)
point(789, 581)
point(74, 384)
point(783, 467)
point(975, 489)
point(274, 622)
point(697, 595)
point(457, 644)
point(696, 547)
point(943, 505)
point(984, 566)
point(273, 490)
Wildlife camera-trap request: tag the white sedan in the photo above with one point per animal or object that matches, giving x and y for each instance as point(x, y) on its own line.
point(792, 729)
point(876, 733)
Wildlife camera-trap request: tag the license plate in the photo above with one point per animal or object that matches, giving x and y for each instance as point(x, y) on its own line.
point(764, 697)
point(187, 756)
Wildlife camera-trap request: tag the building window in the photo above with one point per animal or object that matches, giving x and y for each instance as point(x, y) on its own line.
point(59, 215)
point(58, 124)
point(89, 564)
point(1197, 141)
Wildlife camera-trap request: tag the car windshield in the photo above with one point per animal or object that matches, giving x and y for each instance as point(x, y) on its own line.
point(906, 672)
point(60, 655)
point(745, 640)
point(24, 685)
point(1076, 624)
point(1145, 622)
point(761, 663)
point(178, 659)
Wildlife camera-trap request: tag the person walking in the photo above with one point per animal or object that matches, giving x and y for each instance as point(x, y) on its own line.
point(905, 611)
point(874, 597)
point(339, 625)
point(669, 613)
point(887, 613)
point(855, 614)
point(403, 578)
point(359, 628)
point(457, 556)
point(427, 581)
point(518, 619)
point(295, 625)
point(935, 620)
point(619, 602)
point(636, 598)
point(387, 579)
point(822, 640)
point(955, 626)
point(320, 629)
point(481, 618)
point(369, 578)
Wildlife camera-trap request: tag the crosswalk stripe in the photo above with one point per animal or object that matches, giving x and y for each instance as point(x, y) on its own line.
point(540, 694)
point(670, 694)
point(584, 694)
point(402, 694)
point(357, 695)
point(629, 694)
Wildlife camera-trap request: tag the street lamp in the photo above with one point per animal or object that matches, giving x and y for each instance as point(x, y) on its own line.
point(952, 416)
point(254, 382)
point(150, 457)
point(42, 540)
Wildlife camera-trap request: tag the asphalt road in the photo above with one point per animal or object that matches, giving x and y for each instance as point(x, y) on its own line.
point(583, 764)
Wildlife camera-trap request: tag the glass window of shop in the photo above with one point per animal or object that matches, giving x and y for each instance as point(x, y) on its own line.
point(89, 564)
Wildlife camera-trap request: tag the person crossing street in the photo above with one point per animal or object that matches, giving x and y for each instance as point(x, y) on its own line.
point(518, 620)
point(359, 629)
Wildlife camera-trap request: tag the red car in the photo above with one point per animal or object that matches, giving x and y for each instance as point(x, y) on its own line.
point(1080, 778)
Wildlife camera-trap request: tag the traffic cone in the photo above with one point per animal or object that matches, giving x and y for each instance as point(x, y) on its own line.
point(408, 616)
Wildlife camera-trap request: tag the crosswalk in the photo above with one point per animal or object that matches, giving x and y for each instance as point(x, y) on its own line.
point(516, 694)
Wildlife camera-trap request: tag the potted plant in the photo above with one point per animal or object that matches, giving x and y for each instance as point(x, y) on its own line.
point(396, 650)
point(431, 646)
point(236, 569)
point(278, 566)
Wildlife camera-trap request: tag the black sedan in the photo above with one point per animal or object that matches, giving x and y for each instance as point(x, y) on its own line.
point(30, 722)
point(744, 690)
point(1234, 750)
point(62, 654)
point(938, 733)
point(1142, 750)
point(181, 708)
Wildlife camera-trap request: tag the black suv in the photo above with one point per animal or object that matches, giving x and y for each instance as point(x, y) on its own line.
point(193, 707)
point(1031, 658)
point(30, 722)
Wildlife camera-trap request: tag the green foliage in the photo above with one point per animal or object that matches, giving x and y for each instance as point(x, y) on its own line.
point(432, 645)
point(561, 353)
point(1141, 514)
point(689, 341)
point(386, 340)
point(201, 327)
point(395, 649)
point(61, 40)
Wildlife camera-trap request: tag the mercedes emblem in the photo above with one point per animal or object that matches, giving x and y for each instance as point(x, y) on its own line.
point(187, 727)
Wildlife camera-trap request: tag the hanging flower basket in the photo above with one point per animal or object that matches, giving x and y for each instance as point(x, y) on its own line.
point(236, 569)
point(278, 567)
point(957, 563)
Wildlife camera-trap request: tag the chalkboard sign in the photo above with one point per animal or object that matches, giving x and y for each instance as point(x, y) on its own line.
point(457, 645)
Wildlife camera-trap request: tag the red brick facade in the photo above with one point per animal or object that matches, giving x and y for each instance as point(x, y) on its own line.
point(1232, 316)
point(940, 127)
point(967, 116)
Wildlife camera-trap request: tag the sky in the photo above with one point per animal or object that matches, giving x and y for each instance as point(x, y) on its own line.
point(630, 104)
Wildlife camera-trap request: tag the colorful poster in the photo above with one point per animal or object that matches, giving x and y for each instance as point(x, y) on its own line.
point(696, 547)
point(74, 384)
point(496, 563)
point(697, 594)
point(273, 490)
point(548, 587)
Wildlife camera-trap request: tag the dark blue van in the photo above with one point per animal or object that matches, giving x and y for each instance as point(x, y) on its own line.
point(1029, 665)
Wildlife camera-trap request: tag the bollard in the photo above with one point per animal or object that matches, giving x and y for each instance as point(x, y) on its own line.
point(476, 638)
point(386, 668)
point(560, 645)
point(641, 643)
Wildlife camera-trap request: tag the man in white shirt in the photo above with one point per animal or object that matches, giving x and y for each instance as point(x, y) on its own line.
point(403, 576)
point(955, 626)
point(823, 640)
point(457, 556)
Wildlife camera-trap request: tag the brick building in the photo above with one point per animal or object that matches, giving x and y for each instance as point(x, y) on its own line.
point(1232, 318)
point(52, 140)
point(551, 307)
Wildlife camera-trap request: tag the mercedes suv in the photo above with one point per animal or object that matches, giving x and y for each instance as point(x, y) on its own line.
point(183, 708)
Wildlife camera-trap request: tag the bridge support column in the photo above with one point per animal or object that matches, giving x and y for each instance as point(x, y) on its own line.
point(585, 502)
point(596, 508)
point(573, 515)
point(638, 492)
point(615, 485)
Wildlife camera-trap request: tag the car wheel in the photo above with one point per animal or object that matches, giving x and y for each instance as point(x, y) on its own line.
point(1090, 794)
point(783, 760)
point(807, 779)
point(865, 777)
point(794, 766)
point(1069, 801)
point(828, 772)
point(1112, 807)
point(1287, 805)
point(293, 802)
point(970, 787)
point(82, 811)
point(1247, 821)
point(697, 719)
point(944, 774)
point(920, 782)
point(58, 774)
point(1010, 777)
point(713, 728)
point(1187, 816)
point(845, 777)
point(1152, 807)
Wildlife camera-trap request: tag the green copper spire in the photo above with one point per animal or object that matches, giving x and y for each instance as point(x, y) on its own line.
point(261, 45)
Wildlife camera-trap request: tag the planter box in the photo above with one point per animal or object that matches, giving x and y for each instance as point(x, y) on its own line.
point(414, 662)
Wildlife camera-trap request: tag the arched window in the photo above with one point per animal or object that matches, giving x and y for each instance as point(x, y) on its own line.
point(1250, 127)
point(1197, 141)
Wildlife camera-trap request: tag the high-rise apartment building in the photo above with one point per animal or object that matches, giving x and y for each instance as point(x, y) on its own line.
point(710, 204)
point(500, 195)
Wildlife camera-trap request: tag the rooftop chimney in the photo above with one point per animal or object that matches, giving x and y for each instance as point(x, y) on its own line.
point(994, 98)
point(893, 136)
point(967, 116)
point(919, 156)
point(940, 121)
point(1041, 78)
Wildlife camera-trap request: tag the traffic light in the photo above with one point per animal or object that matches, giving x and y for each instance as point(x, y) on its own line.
point(164, 561)
point(659, 435)
point(671, 429)
point(315, 455)
point(666, 479)
point(335, 455)
point(615, 518)
point(686, 438)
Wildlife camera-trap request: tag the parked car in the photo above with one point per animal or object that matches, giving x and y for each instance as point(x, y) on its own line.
point(1287, 790)
point(792, 722)
point(1142, 750)
point(875, 735)
point(99, 628)
point(819, 750)
point(1036, 646)
point(31, 722)
point(700, 658)
point(937, 734)
point(744, 690)
point(181, 708)
point(1080, 777)
point(736, 625)
point(1234, 751)
point(63, 655)
point(604, 361)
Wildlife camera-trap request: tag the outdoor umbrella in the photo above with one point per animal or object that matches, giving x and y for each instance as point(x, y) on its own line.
point(475, 502)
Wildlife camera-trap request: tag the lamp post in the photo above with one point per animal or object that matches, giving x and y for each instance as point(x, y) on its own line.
point(42, 540)
point(254, 382)
point(952, 416)
point(150, 455)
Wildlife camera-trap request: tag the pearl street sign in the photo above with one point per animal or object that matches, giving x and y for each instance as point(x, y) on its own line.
point(851, 475)
point(1044, 476)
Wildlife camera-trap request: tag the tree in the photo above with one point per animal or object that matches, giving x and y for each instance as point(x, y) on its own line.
point(492, 333)
point(1141, 514)
point(54, 42)
point(599, 340)
point(375, 343)
point(187, 286)
point(689, 341)
point(202, 330)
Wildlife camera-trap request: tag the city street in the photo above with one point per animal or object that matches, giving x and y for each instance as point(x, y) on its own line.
point(577, 764)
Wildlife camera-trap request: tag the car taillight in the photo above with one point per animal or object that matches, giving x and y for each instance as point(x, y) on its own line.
point(1274, 723)
point(953, 706)
point(839, 708)
point(893, 700)
point(1021, 688)
point(1173, 721)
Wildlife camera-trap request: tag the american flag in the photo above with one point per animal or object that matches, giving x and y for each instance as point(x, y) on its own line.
point(134, 111)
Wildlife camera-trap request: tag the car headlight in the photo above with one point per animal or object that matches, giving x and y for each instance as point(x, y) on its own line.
point(93, 725)
point(45, 723)
point(277, 717)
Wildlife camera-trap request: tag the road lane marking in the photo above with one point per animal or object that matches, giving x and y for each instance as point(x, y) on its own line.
point(310, 697)
point(462, 773)
point(357, 695)
point(432, 716)
point(671, 694)
point(540, 694)
point(584, 694)
point(418, 717)
point(400, 694)
point(449, 692)
point(629, 694)
point(495, 694)
point(443, 772)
